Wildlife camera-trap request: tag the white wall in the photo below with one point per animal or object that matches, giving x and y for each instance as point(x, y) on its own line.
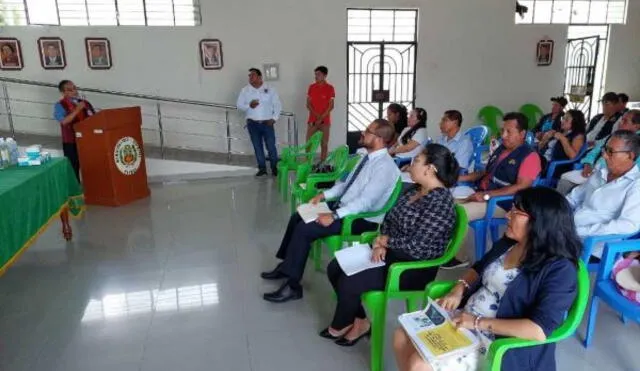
point(470, 54)
point(623, 68)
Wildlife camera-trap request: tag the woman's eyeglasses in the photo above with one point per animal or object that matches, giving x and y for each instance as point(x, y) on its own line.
point(515, 211)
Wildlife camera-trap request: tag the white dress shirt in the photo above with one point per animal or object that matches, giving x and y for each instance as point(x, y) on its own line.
point(269, 106)
point(370, 190)
point(461, 146)
point(603, 208)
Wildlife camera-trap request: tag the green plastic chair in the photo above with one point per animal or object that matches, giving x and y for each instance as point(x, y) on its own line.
point(490, 116)
point(305, 185)
point(336, 242)
point(376, 301)
point(499, 347)
point(292, 157)
point(533, 113)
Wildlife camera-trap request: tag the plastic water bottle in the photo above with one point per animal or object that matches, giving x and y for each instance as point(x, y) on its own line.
point(13, 151)
point(4, 154)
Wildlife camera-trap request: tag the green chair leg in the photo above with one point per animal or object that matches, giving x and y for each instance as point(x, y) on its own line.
point(376, 303)
point(317, 255)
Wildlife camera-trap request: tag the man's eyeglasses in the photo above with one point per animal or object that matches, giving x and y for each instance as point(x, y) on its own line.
point(610, 151)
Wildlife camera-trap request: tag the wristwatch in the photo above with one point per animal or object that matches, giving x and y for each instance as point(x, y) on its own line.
point(486, 197)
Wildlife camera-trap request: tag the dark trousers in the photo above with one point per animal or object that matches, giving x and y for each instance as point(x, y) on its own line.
point(349, 289)
point(260, 132)
point(70, 151)
point(297, 240)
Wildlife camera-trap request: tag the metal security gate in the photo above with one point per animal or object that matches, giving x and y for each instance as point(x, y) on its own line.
point(379, 73)
point(580, 72)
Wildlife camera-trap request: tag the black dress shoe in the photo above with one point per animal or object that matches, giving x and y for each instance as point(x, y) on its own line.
point(343, 342)
point(261, 172)
point(327, 335)
point(274, 172)
point(274, 274)
point(283, 294)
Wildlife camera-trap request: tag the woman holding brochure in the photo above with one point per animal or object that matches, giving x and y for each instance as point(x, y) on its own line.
point(418, 227)
point(522, 287)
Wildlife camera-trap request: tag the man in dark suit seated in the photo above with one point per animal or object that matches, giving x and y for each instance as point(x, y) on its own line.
point(367, 188)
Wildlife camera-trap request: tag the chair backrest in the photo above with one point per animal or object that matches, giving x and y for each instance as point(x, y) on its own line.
point(478, 134)
point(530, 139)
point(338, 158)
point(491, 115)
point(533, 113)
point(576, 312)
point(313, 143)
point(459, 233)
point(393, 197)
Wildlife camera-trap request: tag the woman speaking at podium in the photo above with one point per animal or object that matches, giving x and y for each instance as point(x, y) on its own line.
point(69, 111)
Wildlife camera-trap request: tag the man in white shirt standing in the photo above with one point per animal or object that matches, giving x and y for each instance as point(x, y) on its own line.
point(262, 107)
point(609, 202)
point(367, 188)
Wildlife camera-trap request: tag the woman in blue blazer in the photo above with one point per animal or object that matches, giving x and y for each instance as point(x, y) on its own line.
point(522, 287)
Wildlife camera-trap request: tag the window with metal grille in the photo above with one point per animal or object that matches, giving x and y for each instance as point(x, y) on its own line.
point(382, 25)
point(573, 12)
point(100, 12)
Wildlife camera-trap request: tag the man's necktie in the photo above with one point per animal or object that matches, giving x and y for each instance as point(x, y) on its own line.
point(355, 174)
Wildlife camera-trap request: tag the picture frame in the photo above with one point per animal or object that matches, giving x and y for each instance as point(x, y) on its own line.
point(98, 51)
point(544, 52)
point(211, 54)
point(52, 53)
point(10, 54)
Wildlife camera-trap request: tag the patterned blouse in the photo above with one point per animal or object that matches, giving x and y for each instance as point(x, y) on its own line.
point(421, 229)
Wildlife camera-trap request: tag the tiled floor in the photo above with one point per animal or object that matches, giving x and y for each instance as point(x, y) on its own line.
point(171, 283)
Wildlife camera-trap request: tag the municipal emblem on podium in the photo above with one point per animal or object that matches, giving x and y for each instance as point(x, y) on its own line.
point(127, 155)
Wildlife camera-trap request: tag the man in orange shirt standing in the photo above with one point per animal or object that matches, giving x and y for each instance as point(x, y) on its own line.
point(320, 103)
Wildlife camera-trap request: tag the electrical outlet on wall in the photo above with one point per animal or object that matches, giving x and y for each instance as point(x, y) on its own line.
point(271, 71)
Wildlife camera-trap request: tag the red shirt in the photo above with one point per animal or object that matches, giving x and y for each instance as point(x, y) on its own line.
point(529, 169)
point(320, 96)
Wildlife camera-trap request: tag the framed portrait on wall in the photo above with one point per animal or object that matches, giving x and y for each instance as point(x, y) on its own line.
point(10, 54)
point(52, 55)
point(544, 53)
point(211, 54)
point(98, 53)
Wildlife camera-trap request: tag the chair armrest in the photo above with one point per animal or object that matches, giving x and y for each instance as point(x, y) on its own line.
point(401, 161)
point(492, 204)
point(314, 179)
point(369, 237)
point(347, 221)
point(552, 166)
point(499, 347)
point(396, 270)
point(438, 289)
point(590, 242)
point(611, 253)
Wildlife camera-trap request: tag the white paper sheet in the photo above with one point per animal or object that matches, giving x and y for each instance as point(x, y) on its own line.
point(356, 259)
point(462, 192)
point(574, 176)
point(310, 212)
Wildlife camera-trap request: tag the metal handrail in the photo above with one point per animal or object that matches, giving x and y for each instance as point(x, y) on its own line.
point(131, 95)
point(292, 129)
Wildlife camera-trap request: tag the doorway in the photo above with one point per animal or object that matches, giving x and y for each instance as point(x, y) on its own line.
point(381, 64)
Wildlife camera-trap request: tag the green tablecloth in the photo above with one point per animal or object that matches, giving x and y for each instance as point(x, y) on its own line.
point(31, 197)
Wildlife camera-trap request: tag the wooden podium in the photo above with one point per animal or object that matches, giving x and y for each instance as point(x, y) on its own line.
point(111, 155)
